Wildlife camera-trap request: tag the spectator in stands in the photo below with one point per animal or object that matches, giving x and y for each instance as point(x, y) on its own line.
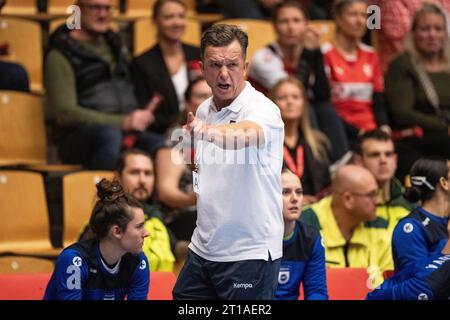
point(354, 71)
point(375, 151)
point(396, 17)
point(305, 149)
point(417, 83)
point(303, 253)
point(352, 233)
point(134, 170)
point(12, 75)
point(112, 266)
point(427, 279)
point(296, 52)
point(424, 230)
point(174, 178)
point(168, 66)
point(90, 93)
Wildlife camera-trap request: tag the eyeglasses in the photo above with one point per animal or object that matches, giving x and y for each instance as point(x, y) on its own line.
point(371, 194)
point(98, 7)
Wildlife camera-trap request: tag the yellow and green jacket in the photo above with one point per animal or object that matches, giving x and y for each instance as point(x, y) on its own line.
point(369, 246)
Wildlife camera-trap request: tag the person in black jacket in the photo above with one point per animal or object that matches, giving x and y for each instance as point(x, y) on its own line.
point(306, 151)
point(91, 99)
point(168, 67)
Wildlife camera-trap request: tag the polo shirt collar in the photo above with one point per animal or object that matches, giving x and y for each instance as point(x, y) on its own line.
point(239, 102)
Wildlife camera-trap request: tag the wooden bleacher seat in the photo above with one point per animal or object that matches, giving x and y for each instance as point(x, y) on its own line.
point(79, 196)
point(145, 34)
point(139, 8)
point(23, 139)
point(20, 264)
point(25, 45)
point(326, 28)
point(25, 222)
point(59, 7)
point(260, 33)
point(20, 7)
point(22, 129)
point(23, 286)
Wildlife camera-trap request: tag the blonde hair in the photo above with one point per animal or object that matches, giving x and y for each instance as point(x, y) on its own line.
point(316, 140)
point(410, 47)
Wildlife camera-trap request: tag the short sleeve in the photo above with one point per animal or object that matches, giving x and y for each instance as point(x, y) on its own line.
point(267, 115)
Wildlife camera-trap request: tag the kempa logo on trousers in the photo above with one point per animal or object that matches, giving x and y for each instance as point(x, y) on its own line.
point(242, 286)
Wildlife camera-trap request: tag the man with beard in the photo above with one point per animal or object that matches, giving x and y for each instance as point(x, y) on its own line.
point(134, 170)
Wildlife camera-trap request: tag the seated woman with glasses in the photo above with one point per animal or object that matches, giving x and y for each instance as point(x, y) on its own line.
point(424, 230)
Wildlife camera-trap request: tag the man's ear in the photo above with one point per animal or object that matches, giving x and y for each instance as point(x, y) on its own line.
point(347, 199)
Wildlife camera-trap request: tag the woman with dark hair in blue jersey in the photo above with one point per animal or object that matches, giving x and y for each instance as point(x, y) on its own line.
point(303, 258)
point(424, 231)
point(112, 266)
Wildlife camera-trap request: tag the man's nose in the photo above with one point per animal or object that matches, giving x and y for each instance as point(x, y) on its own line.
point(223, 71)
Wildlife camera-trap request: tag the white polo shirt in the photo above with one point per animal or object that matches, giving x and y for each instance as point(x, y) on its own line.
point(239, 203)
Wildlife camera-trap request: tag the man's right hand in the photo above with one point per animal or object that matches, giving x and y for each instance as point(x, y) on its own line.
point(140, 119)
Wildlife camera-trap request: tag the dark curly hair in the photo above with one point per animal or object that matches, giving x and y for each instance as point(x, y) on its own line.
point(112, 208)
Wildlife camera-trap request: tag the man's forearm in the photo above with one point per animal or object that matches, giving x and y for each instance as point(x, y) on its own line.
point(235, 135)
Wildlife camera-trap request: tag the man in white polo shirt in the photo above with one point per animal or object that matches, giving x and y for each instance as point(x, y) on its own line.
point(236, 248)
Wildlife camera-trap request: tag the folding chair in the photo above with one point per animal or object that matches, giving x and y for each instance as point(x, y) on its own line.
point(22, 129)
point(79, 196)
point(20, 7)
point(25, 44)
point(25, 225)
point(260, 33)
point(21, 264)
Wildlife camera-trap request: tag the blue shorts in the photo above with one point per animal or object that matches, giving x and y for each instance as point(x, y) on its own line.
point(201, 279)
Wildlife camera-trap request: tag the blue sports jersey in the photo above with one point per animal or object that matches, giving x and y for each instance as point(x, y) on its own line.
point(303, 261)
point(81, 274)
point(428, 279)
point(417, 236)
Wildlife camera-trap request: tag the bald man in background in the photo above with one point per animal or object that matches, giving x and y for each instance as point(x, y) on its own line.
point(353, 235)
